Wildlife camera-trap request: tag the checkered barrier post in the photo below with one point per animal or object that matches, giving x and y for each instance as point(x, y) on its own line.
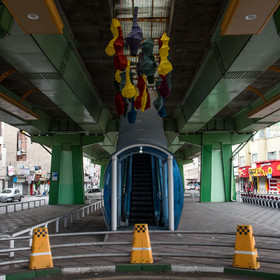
point(141, 251)
point(245, 254)
point(41, 256)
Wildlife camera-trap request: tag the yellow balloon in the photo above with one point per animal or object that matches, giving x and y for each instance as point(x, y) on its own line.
point(165, 66)
point(129, 89)
point(110, 50)
point(117, 76)
point(145, 95)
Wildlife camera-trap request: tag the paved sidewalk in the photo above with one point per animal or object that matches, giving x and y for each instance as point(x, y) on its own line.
point(196, 216)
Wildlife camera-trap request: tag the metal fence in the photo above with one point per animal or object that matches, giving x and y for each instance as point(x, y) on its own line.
point(29, 203)
point(65, 220)
point(171, 247)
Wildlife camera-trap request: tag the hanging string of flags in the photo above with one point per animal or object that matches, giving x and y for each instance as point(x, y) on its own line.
point(126, 91)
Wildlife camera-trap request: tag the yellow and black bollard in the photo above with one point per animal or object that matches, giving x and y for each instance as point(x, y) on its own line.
point(141, 251)
point(245, 254)
point(41, 256)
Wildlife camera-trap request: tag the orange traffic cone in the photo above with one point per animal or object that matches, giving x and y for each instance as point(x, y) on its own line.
point(141, 251)
point(245, 254)
point(41, 256)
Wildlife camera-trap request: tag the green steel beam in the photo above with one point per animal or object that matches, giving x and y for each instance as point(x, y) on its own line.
point(73, 139)
point(189, 153)
point(194, 139)
point(226, 71)
point(95, 155)
point(246, 125)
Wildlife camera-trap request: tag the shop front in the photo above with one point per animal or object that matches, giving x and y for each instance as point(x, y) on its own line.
point(244, 181)
point(267, 176)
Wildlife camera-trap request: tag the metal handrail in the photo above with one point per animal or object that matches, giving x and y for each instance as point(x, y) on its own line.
point(80, 213)
point(22, 203)
point(154, 243)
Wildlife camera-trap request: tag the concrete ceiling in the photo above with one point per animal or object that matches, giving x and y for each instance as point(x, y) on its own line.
point(73, 75)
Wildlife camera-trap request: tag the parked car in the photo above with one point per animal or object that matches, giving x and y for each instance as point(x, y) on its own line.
point(95, 193)
point(10, 194)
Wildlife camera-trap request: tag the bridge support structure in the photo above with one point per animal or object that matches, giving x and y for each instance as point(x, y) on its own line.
point(67, 176)
point(217, 181)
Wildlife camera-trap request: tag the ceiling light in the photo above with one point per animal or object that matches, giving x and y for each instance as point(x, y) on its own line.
point(251, 17)
point(246, 17)
point(266, 108)
point(141, 150)
point(33, 16)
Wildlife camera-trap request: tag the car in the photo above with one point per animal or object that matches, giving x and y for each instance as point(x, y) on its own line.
point(10, 194)
point(94, 193)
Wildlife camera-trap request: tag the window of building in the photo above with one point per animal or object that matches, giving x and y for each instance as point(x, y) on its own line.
point(254, 158)
point(272, 155)
point(21, 147)
point(242, 161)
point(259, 135)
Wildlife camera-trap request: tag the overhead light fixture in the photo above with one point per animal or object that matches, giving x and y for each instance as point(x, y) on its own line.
point(266, 108)
point(251, 17)
point(33, 16)
point(141, 150)
point(16, 108)
point(36, 16)
point(246, 17)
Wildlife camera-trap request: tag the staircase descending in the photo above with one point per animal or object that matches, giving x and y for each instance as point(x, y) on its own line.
point(142, 206)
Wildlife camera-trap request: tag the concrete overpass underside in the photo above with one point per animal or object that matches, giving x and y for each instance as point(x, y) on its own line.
point(59, 87)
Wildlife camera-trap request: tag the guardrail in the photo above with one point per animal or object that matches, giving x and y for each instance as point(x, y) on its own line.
point(80, 213)
point(125, 251)
point(22, 204)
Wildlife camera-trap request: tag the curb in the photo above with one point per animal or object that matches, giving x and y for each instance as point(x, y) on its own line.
point(135, 268)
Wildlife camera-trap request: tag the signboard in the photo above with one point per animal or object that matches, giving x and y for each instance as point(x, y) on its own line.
point(54, 176)
point(11, 170)
point(243, 171)
point(268, 167)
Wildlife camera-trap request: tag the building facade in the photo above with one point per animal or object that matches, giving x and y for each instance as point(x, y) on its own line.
point(259, 163)
point(23, 164)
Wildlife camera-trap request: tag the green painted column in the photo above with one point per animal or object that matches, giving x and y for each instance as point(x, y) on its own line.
point(181, 168)
point(102, 171)
point(67, 175)
point(68, 186)
point(217, 181)
point(205, 177)
point(216, 167)
point(55, 167)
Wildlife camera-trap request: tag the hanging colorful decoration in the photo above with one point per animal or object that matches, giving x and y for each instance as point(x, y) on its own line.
point(119, 105)
point(141, 87)
point(148, 64)
point(110, 50)
point(158, 103)
point(135, 37)
point(120, 61)
point(163, 88)
point(128, 91)
point(165, 66)
point(132, 114)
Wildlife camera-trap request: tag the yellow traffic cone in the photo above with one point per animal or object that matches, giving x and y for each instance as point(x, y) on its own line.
point(245, 254)
point(41, 256)
point(141, 251)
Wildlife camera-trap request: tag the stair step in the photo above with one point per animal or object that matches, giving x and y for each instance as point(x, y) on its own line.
point(142, 188)
point(142, 203)
point(145, 209)
point(140, 198)
point(138, 215)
